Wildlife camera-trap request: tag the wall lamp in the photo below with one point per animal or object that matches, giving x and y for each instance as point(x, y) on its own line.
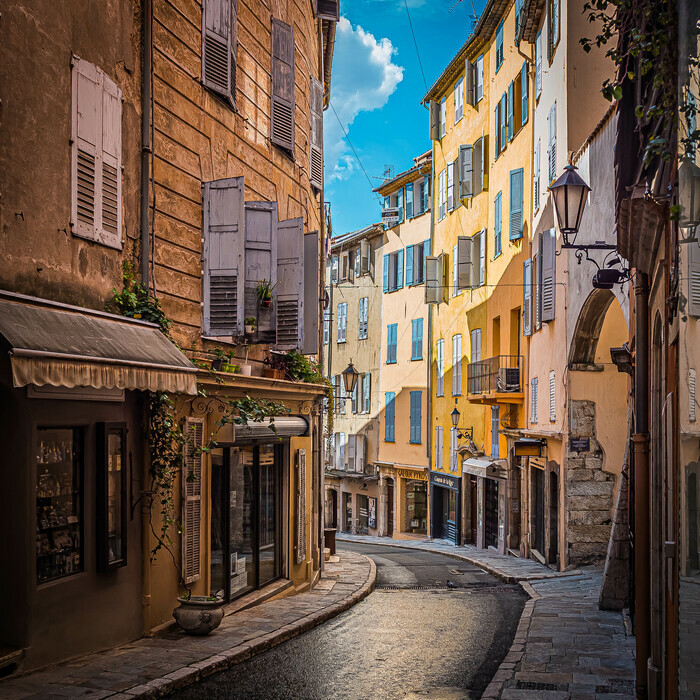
point(461, 432)
point(350, 375)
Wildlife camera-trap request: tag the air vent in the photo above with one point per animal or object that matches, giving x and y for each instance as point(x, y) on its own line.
point(110, 200)
point(86, 187)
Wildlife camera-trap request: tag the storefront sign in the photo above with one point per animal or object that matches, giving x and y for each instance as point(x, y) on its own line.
point(372, 521)
point(390, 215)
point(439, 479)
point(411, 474)
point(580, 444)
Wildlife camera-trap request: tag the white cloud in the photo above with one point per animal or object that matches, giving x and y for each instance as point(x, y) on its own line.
point(364, 77)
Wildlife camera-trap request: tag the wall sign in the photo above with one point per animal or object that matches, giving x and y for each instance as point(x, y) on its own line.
point(580, 444)
point(390, 215)
point(412, 474)
point(440, 479)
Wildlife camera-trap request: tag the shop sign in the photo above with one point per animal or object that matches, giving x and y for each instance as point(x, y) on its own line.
point(372, 520)
point(411, 474)
point(580, 444)
point(390, 215)
point(439, 479)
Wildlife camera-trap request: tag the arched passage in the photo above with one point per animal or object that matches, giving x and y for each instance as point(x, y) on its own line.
point(588, 327)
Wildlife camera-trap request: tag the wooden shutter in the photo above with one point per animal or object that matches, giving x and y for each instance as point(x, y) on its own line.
point(434, 120)
point(445, 268)
point(300, 546)
point(426, 193)
point(479, 257)
point(399, 269)
point(470, 80)
point(497, 128)
point(409, 265)
point(289, 292)
point(536, 177)
point(260, 256)
point(364, 256)
point(218, 66)
point(548, 274)
point(282, 93)
point(386, 272)
point(351, 453)
point(409, 200)
point(504, 120)
point(533, 400)
point(694, 279)
point(223, 250)
point(511, 111)
point(359, 453)
point(537, 286)
point(367, 393)
point(552, 397)
point(450, 186)
point(316, 119)
point(438, 446)
point(440, 368)
point(334, 269)
point(327, 9)
point(464, 262)
point(466, 171)
point(484, 162)
point(433, 293)
point(538, 65)
point(192, 499)
point(552, 149)
point(527, 297)
point(312, 308)
point(692, 395)
point(523, 94)
point(516, 204)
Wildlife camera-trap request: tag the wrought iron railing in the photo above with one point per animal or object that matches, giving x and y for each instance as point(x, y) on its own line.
point(500, 374)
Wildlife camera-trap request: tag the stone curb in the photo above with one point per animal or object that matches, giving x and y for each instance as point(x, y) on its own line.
point(188, 675)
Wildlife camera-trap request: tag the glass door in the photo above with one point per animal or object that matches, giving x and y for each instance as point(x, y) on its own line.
point(268, 519)
point(242, 509)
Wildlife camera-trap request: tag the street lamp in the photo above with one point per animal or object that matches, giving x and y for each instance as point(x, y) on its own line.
point(689, 197)
point(461, 432)
point(350, 375)
point(569, 192)
point(455, 417)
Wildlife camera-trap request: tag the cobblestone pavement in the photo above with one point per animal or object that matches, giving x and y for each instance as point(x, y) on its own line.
point(565, 647)
point(152, 667)
point(689, 638)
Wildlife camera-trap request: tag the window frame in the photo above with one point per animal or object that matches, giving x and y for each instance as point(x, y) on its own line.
point(392, 343)
point(416, 325)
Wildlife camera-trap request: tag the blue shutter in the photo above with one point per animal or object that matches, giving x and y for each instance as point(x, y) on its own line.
point(399, 269)
point(516, 204)
point(426, 249)
point(386, 273)
point(496, 131)
point(426, 193)
point(499, 46)
point(415, 417)
point(409, 201)
point(417, 339)
point(409, 265)
point(399, 204)
point(524, 89)
point(503, 120)
point(498, 218)
point(389, 417)
point(511, 111)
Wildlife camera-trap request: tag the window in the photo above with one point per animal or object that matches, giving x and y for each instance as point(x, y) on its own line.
point(96, 156)
point(440, 368)
point(438, 446)
point(341, 450)
point(479, 253)
point(59, 486)
point(516, 204)
point(334, 269)
point(457, 364)
point(393, 271)
point(354, 398)
point(442, 190)
point(552, 397)
point(538, 65)
point(389, 408)
point(475, 349)
point(517, 102)
point(470, 270)
point(553, 27)
point(459, 99)
point(533, 400)
point(341, 330)
point(282, 86)
point(453, 449)
point(511, 111)
point(399, 204)
point(417, 339)
point(552, 146)
point(111, 490)
point(415, 263)
point(326, 327)
point(218, 47)
point(497, 223)
point(479, 89)
point(504, 121)
point(443, 116)
point(366, 392)
point(416, 397)
point(495, 411)
point(536, 177)
point(391, 343)
point(363, 316)
point(499, 46)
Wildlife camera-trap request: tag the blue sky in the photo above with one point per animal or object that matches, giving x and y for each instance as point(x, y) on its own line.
point(376, 91)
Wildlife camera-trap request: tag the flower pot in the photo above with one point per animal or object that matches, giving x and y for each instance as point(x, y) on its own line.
point(216, 364)
point(272, 373)
point(249, 329)
point(266, 303)
point(245, 369)
point(198, 615)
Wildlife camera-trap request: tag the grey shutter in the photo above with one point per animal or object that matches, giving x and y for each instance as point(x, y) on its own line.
point(466, 171)
point(548, 274)
point(282, 92)
point(523, 94)
point(470, 81)
point(464, 262)
point(289, 293)
point(311, 294)
point(316, 117)
point(351, 453)
point(552, 150)
point(433, 291)
point(224, 235)
point(527, 297)
point(260, 255)
point(444, 281)
point(364, 256)
point(694, 279)
point(217, 63)
point(110, 229)
point(300, 554)
point(327, 9)
point(434, 120)
point(192, 499)
point(477, 167)
point(516, 204)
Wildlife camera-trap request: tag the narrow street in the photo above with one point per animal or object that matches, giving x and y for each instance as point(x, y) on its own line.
point(434, 627)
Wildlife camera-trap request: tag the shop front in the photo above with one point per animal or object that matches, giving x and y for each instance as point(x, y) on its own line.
point(413, 499)
point(445, 506)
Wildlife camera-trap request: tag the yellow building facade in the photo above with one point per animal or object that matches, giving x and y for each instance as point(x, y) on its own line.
point(480, 122)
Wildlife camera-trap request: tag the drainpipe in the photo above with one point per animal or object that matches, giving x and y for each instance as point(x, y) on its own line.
point(640, 439)
point(146, 89)
point(429, 384)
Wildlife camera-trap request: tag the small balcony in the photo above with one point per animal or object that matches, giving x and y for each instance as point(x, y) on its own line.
point(496, 380)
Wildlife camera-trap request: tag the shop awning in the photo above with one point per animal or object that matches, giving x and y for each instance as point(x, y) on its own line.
point(485, 467)
point(71, 347)
point(285, 426)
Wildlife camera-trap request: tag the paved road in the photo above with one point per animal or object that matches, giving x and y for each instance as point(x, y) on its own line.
point(435, 627)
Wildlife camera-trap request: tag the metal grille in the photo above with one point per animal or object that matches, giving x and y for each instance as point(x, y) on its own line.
point(110, 202)
point(216, 63)
point(86, 187)
point(531, 685)
point(223, 297)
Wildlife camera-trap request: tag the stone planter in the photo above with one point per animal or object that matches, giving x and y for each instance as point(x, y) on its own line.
point(198, 615)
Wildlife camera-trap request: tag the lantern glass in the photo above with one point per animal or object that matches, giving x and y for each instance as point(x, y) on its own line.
point(455, 417)
point(689, 194)
point(570, 193)
point(350, 375)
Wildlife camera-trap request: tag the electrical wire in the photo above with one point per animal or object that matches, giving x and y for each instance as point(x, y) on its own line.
point(415, 43)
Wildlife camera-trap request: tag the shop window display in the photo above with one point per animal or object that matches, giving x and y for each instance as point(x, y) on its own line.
point(417, 507)
point(111, 483)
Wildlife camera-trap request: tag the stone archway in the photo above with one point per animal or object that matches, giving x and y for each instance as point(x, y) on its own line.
point(588, 327)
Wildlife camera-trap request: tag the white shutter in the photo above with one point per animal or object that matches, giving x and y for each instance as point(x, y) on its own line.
point(453, 449)
point(282, 92)
point(289, 292)
point(466, 171)
point(450, 186)
point(694, 279)
point(549, 261)
point(440, 368)
point(300, 547)
point(552, 397)
point(527, 297)
point(464, 262)
point(218, 65)
point(538, 64)
point(192, 499)
point(691, 395)
point(316, 117)
point(438, 447)
point(351, 453)
point(223, 253)
point(536, 177)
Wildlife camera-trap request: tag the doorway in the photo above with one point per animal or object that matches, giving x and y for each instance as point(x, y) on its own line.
point(333, 509)
point(246, 507)
point(362, 514)
point(491, 513)
point(693, 534)
point(390, 508)
point(347, 512)
point(553, 518)
point(537, 509)
point(473, 511)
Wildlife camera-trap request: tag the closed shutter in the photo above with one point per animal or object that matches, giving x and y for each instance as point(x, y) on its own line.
point(537, 286)
point(438, 447)
point(466, 171)
point(409, 265)
point(527, 297)
point(497, 129)
point(399, 269)
point(312, 309)
point(110, 230)
point(464, 262)
point(409, 200)
point(389, 417)
point(399, 204)
point(692, 396)
point(552, 148)
point(260, 256)
point(694, 279)
point(455, 273)
point(552, 397)
point(555, 25)
point(516, 204)
point(351, 453)
point(300, 547)
point(415, 435)
point(470, 78)
point(453, 449)
point(450, 186)
point(224, 235)
point(218, 64)
point(504, 120)
point(495, 410)
point(533, 400)
point(192, 499)
point(511, 111)
point(536, 177)
point(434, 120)
point(289, 292)
point(538, 64)
point(497, 222)
point(549, 261)
point(282, 93)
point(440, 368)
point(327, 9)
point(426, 193)
point(367, 394)
point(456, 365)
point(523, 94)
point(386, 273)
point(364, 256)
point(433, 293)
point(316, 119)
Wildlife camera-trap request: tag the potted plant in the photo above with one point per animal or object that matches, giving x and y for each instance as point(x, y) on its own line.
point(199, 614)
point(250, 325)
point(245, 368)
point(218, 360)
point(263, 291)
point(275, 367)
point(228, 364)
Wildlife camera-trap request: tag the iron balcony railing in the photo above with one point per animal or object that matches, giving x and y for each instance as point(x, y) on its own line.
point(499, 374)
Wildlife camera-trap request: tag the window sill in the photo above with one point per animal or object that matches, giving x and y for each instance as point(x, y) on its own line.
point(415, 442)
point(512, 239)
point(498, 255)
point(340, 342)
point(393, 362)
point(385, 440)
point(416, 359)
